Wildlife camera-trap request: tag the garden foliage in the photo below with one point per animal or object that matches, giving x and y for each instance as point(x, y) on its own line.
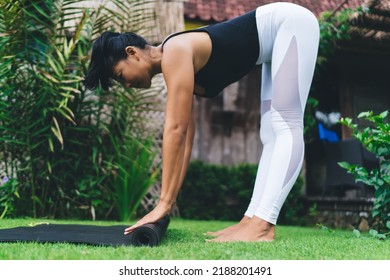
point(376, 139)
point(334, 27)
point(60, 143)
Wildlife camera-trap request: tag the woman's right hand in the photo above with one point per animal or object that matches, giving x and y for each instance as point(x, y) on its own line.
point(160, 211)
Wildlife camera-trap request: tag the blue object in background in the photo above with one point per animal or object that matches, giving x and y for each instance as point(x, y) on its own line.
point(326, 134)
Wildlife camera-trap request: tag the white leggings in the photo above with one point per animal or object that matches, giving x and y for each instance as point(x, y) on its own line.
point(289, 38)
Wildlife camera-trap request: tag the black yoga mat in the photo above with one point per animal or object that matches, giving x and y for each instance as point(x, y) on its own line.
point(146, 235)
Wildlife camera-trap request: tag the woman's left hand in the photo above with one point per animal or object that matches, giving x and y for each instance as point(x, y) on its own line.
point(153, 216)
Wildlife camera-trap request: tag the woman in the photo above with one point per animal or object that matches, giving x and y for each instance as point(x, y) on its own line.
point(284, 38)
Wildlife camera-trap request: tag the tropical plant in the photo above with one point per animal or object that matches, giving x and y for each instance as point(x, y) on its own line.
point(134, 173)
point(56, 136)
point(376, 139)
point(8, 194)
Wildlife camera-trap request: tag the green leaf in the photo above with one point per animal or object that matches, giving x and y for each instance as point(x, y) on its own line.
point(373, 232)
point(384, 114)
point(74, 90)
point(346, 121)
point(51, 146)
point(344, 164)
point(57, 132)
point(365, 114)
point(381, 236)
point(356, 233)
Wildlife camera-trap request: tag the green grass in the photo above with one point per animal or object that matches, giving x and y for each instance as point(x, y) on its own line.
point(185, 241)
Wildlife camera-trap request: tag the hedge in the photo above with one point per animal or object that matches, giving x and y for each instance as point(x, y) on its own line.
point(217, 192)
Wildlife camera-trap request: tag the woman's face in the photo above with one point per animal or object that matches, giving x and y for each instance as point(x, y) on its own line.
point(133, 71)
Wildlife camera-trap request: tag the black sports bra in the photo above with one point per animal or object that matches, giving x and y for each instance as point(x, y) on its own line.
point(235, 50)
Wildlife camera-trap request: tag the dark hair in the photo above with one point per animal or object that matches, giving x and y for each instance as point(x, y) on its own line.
point(107, 51)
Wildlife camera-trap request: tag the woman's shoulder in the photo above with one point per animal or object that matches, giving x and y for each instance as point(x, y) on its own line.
point(177, 36)
point(176, 51)
point(178, 45)
point(188, 46)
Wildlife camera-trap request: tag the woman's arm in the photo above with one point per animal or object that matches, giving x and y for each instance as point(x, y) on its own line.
point(188, 148)
point(178, 70)
point(178, 73)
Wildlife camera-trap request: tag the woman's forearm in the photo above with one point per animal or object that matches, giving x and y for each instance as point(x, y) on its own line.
point(173, 157)
point(176, 156)
point(187, 152)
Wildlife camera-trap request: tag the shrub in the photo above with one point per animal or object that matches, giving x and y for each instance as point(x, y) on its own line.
point(376, 139)
point(202, 196)
point(220, 192)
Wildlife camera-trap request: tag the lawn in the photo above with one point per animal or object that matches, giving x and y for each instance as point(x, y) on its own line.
point(185, 241)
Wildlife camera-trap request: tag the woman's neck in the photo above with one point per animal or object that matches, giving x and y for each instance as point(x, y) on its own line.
point(155, 57)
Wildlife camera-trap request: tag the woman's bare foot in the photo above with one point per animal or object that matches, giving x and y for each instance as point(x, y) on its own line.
point(232, 228)
point(255, 230)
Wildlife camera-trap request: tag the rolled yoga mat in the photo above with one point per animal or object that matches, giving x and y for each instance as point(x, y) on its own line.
point(146, 235)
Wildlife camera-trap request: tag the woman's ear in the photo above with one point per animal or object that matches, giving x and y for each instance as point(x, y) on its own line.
point(131, 51)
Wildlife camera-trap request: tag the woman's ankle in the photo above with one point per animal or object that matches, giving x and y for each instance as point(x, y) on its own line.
point(262, 224)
